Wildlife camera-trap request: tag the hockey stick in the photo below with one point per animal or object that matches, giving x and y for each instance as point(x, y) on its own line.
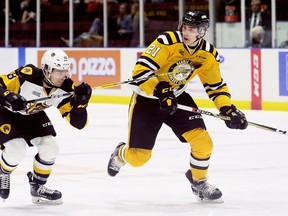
point(203, 112)
point(49, 97)
point(110, 85)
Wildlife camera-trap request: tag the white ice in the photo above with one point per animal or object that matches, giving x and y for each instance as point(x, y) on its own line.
point(250, 167)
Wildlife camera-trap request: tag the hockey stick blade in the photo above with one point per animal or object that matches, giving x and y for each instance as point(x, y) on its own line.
point(204, 112)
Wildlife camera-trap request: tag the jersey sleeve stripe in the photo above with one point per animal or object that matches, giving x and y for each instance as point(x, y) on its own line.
point(147, 62)
point(178, 36)
point(211, 49)
point(208, 47)
point(217, 56)
point(163, 39)
point(2, 84)
point(170, 37)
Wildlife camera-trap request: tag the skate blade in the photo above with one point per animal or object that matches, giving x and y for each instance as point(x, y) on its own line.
point(209, 201)
point(42, 201)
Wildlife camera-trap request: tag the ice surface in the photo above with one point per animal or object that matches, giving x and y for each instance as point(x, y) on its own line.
point(250, 167)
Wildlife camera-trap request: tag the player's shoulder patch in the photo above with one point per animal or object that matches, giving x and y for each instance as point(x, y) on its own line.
point(28, 70)
point(170, 37)
point(206, 46)
point(30, 73)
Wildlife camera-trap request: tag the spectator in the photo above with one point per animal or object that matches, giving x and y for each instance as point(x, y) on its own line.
point(28, 11)
point(258, 17)
point(258, 35)
point(94, 8)
point(135, 24)
point(124, 20)
point(94, 37)
point(15, 14)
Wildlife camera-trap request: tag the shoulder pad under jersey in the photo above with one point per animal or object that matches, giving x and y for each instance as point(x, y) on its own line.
point(209, 48)
point(30, 73)
point(170, 37)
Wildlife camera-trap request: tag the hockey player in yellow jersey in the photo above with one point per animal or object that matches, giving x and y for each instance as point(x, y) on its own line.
point(181, 55)
point(25, 124)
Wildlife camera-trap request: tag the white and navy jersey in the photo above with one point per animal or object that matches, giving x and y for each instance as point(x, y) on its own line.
point(174, 62)
point(28, 82)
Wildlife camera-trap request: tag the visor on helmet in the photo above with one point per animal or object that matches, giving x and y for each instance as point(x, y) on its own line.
point(197, 20)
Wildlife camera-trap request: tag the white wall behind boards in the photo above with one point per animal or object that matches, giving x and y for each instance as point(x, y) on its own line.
point(9, 59)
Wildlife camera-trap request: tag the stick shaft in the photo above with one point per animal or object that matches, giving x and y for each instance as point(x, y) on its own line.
point(109, 85)
point(203, 112)
point(49, 97)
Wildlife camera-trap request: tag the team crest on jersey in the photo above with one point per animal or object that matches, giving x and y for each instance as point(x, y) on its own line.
point(5, 128)
point(180, 72)
point(27, 70)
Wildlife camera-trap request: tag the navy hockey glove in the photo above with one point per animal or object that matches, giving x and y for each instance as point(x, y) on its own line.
point(237, 118)
point(16, 101)
point(82, 94)
point(167, 99)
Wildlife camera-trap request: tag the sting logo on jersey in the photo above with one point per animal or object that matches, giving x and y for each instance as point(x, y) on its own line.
point(27, 70)
point(180, 72)
point(5, 128)
point(36, 107)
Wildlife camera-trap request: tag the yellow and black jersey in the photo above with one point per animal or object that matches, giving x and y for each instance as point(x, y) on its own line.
point(28, 82)
point(171, 60)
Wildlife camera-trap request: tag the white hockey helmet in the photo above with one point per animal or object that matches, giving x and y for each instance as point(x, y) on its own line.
point(55, 59)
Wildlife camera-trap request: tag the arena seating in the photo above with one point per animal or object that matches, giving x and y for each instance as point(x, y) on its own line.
point(55, 24)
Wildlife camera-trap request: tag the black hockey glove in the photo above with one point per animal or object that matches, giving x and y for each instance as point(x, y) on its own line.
point(167, 99)
point(16, 101)
point(237, 118)
point(82, 94)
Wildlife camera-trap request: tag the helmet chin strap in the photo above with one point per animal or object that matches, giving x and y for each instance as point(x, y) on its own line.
point(197, 39)
point(47, 81)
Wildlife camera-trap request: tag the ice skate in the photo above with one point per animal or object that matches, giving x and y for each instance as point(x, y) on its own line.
point(203, 191)
point(42, 195)
point(4, 185)
point(115, 163)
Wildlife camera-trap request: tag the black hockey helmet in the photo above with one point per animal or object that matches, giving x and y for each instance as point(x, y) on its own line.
point(196, 19)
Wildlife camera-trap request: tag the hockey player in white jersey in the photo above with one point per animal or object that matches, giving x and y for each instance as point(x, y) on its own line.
point(25, 124)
